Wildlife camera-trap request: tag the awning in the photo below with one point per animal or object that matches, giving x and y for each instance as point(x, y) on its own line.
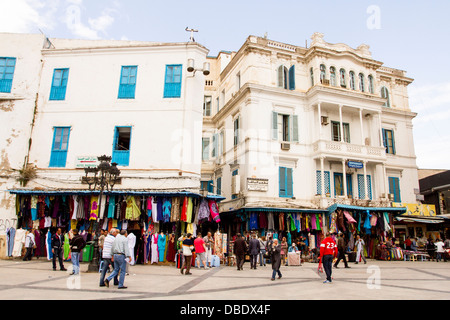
point(115, 193)
point(420, 220)
point(334, 207)
point(268, 209)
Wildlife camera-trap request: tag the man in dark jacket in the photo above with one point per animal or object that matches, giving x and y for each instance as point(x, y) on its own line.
point(341, 251)
point(77, 244)
point(254, 250)
point(57, 249)
point(275, 253)
point(240, 249)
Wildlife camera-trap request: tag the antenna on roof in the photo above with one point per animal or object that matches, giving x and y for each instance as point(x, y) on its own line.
point(192, 34)
point(47, 44)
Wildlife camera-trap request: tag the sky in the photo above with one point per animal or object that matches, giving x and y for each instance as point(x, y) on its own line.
point(408, 35)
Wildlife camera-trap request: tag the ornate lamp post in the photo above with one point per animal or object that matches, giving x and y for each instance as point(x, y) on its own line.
point(102, 177)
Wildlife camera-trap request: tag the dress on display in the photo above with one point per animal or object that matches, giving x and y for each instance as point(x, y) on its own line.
point(161, 246)
point(154, 248)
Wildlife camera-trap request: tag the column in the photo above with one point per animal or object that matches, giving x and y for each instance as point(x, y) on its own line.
point(386, 183)
point(344, 178)
point(381, 130)
point(362, 127)
point(319, 110)
point(322, 177)
point(340, 123)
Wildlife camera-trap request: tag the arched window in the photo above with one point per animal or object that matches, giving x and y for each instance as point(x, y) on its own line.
point(311, 71)
point(362, 85)
point(351, 76)
point(342, 78)
point(371, 84)
point(385, 95)
point(323, 73)
point(286, 77)
point(333, 76)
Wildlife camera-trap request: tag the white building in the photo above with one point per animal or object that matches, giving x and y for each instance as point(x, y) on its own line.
point(293, 127)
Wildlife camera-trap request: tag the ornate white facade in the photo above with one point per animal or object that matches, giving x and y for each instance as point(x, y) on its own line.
point(308, 134)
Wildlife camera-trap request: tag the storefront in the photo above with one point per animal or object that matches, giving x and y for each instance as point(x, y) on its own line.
point(153, 218)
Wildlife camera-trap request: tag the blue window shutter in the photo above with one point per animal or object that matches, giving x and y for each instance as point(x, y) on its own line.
point(60, 146)
point(211, 186)
point(385, 140)
point(319, 181)
point(127, 88)
point(289, 183)
point(120, 156)
point(59, 84)
point(294, 128)
point(282, 181)
point(292, 78)
point(361, 189)
point(349, 185)
point(7, 68)
point(235, 173)
point(394, 188)
point(172, 85)
point(274, 126)
point(280, 72)
point(369, 186)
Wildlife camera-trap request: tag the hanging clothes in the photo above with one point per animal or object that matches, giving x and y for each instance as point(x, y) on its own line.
point(270, 221)
point(111, 207)
point(131, 244)
point(349, 217)
point(214, 210)
point(189, 210)
point(94, 208)
point(175, 210)
point(132, 210)
point(367, 225)
point(159, 205)
point(253, 221)
point(154, 248)
point(154, 210)
point(167, 206)
point(66, 246)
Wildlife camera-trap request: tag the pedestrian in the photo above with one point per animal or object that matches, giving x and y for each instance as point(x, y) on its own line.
point(30, 244)
point(121, 252)
point(262, 251)
point(284, 250)
point(413, 245)
point(57, 242)
point(328, 251)
point(209, 242)
point(359, 243)
point(101, 240)
point(188, 247)
point(341, 251)
point(77, 244)
point(254, 248)
point(431, 248)
point(440, 251)
point(200, 251)
point(107, 256)
point(275, 254)
point(240, 249)
point(408, 243)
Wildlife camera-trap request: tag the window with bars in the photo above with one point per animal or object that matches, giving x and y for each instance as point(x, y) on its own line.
point(336, 131)
point(319, 181)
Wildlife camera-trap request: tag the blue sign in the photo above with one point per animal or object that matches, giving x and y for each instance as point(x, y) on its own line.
point(355, 164)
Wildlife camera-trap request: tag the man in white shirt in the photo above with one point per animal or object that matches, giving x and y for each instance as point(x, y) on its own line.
point(107, 256)
point(440, 251)
point(121, 252)
point(29, 244)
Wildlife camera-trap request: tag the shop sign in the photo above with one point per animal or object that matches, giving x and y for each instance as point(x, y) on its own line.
point(255, 184)
point(86, 162)
point(414, 209)
point(355, 164)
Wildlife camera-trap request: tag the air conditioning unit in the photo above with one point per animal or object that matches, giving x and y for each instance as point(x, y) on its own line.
point(326, 82)
point(286, 146)
point(391, 197)
point(236, 184)
point(367, 141)
point(325, 121)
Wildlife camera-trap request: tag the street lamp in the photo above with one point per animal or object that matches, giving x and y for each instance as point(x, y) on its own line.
point(102, 177)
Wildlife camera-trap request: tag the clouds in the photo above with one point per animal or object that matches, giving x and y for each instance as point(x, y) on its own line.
point(76, 16)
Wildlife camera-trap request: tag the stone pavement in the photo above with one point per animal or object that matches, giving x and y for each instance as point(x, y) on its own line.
point(377, 280)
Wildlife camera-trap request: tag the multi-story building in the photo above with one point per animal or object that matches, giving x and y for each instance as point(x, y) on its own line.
point(293, 127)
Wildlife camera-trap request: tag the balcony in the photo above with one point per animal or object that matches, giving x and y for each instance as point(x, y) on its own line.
point(347, 150)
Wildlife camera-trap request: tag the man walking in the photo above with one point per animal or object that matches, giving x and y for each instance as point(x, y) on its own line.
point(121, 252)
point(57, 249)
point(209, 242)
point(254, 250)
point(107, 257)
point(275, 257)
point(188, 246)
point(341, 251)
point(200, 250)
point(240, 249)
point(440, 251)
point(360, 249)
point(77, 244)
point(328, 251)
point(29, 245)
